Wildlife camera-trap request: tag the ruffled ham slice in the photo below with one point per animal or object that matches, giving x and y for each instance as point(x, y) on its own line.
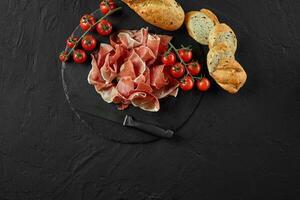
point(126, 71)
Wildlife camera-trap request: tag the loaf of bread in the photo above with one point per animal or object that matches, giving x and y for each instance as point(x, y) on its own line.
point(165, 14)
point(230, 75)
point(205, 28)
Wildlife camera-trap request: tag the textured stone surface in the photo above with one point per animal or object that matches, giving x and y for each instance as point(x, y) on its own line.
point(244, 146)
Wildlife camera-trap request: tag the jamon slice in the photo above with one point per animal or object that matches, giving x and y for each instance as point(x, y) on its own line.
point(125, 86)
point(145, 101)
point(157, 77)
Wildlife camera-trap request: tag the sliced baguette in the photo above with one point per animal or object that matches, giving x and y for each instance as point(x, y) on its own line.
point(216, 54)
point(199, 26)
point(230, 75)
point(222, 33)
point(211, 15)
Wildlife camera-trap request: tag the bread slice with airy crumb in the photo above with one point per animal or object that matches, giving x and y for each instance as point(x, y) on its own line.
point(222, 33)
point(211, 15)
point(216, 54)
point(199, 26)
point(230, 75)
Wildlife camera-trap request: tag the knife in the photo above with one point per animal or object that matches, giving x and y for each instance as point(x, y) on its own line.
point(130, 122)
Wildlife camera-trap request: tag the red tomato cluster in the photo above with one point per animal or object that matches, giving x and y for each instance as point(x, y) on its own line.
point(89, 42)
point(186, 70)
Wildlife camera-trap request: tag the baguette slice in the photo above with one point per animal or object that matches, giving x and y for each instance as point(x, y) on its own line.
point(199, 26)
point(165, 14)
point(222, 33)
point(211, 15)
point(230, 75)
point(216, 54)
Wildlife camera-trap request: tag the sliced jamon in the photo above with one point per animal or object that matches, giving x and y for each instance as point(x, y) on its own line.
point(170, 89)
point(125, 86)
point(95, 78)
point(146, 54)
point(174, 93)
point(108, 71)
point(138, 64)
point(145, 101)
point(144, 87)
point(157, 77)
point(153, 43)
point(143, 78)
point(109, 94)
point(104, 50)
point(128, 71)
point(164, 43)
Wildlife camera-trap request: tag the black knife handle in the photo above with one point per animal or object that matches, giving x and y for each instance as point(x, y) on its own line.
point(149, 128)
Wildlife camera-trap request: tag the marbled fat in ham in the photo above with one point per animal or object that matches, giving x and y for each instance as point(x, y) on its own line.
point(128, 72)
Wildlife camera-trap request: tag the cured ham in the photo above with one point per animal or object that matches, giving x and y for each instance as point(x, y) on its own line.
point(128, 72)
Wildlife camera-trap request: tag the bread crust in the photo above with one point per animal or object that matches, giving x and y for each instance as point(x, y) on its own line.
point(222, 33)
point(230, 75)
point(165, 14)
point(211, 15)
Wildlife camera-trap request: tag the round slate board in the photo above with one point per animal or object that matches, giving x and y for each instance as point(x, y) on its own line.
point(90, 107)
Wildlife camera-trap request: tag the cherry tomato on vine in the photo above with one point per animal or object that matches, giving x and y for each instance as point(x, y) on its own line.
point(177, 70)
point(185, 54)
point(187, 83)
point(63, 56)
point(87, 21)
point(168, 59)
point(104, 27)
point(194, 68)
point(71, 41)
point(88, 43)
point(203, 84)
point(107, 5)
point(79, 56)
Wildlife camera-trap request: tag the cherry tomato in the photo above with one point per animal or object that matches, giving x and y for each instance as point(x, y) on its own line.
point(177, 70)
point(185, 54)
point(79, 56)
point(187, 83)
point(71, 41)
point(194, 68)
point(203, 84)
point(168, 59)
point(88, 43)
point(106, 6)
point(87, 21)
point(63, 56)
point(104, 27)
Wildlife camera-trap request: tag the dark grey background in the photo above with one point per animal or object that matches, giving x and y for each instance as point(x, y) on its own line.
point(243, 146)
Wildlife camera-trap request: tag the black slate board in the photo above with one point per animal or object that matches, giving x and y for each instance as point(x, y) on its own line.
point(88, 105)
